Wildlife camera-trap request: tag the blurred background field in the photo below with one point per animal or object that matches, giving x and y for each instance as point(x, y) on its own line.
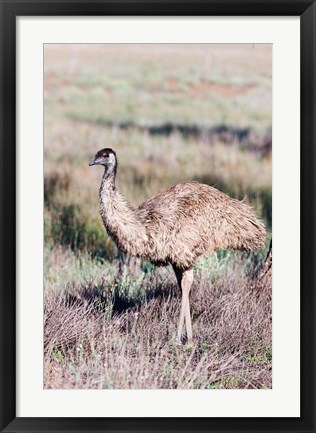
point(172, 113)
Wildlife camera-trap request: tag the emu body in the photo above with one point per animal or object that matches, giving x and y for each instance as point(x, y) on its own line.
point(176, 226)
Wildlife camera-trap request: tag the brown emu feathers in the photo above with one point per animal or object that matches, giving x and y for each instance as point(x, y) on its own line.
point(176, 226)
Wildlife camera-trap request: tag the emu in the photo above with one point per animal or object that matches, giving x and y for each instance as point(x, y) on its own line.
point(176, 227)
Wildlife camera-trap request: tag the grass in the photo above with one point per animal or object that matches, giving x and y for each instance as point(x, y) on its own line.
point(115, 329)
point(172, 113)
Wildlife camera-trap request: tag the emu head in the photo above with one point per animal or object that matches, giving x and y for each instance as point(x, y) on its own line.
point(107, 158)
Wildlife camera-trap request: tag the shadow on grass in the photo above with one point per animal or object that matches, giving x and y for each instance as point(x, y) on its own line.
point(118, 298)
point(249, 140)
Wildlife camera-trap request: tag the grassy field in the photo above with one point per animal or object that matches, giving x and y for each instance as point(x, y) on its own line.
point(172, 113)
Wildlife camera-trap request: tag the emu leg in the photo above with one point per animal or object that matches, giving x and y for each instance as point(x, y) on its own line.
point(179, 274)
point(185, 279)
point(186, 286)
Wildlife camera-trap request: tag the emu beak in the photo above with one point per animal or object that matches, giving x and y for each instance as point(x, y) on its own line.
point(97, 160)
point(92, 162)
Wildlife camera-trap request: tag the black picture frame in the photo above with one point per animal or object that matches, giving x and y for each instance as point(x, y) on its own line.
point(9, 10)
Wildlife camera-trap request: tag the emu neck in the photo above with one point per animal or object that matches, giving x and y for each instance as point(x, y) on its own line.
point(107, 198)
point(107, 183)
point(119, 218)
